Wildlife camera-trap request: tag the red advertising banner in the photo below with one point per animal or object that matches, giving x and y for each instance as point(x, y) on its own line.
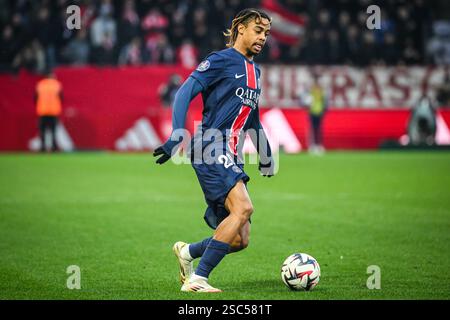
point(120, 109)
point(348, 87)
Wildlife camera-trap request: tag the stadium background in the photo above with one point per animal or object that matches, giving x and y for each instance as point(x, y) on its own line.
point(116, 215)
point(112, 69)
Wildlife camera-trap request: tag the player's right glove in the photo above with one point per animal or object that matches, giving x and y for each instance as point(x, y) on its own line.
point(164, 158)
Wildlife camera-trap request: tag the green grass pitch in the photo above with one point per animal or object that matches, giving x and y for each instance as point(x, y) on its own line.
point(116, 216)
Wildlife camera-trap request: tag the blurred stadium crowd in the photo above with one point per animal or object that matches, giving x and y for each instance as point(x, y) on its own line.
point(135, 32)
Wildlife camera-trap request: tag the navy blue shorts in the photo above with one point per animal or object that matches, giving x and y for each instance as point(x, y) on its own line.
point(216, 181)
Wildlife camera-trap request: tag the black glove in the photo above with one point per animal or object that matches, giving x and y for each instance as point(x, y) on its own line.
point(160, 151)
point(266, 170)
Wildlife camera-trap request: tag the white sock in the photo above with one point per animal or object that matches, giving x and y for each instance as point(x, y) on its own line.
point(184, 253)
point(195, 277)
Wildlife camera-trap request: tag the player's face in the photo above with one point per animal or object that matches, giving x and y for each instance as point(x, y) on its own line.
point(255, 35)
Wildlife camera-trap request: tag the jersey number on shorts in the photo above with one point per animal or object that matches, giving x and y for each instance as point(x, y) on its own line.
point(225, 161)
point(236, 128)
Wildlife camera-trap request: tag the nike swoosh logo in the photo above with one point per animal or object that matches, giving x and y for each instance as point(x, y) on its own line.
point(239, 76)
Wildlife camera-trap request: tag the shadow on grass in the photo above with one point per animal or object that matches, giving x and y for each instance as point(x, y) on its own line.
point(275, 286)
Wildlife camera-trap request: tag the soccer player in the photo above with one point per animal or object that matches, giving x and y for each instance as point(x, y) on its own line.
point(229, 81)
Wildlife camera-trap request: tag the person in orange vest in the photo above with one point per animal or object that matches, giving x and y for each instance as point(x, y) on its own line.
point(48, 99)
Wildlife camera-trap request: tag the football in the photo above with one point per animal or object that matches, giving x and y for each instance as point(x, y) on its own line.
point(300, 271)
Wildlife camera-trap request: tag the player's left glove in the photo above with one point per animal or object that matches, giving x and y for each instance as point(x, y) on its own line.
point(266, 170)
point(164, 158)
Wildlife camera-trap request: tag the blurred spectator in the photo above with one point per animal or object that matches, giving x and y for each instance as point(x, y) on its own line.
point(387, 26)
point(78, 50)
point(422, 123)
point(443, 91)
point(406, 27)
point(8, 47)
point(324, 21)
point(187, 54)
point(155, 21)
point(88, 12)
point(178, 27)
point(344, 23)
point(201, 35)
point(48, 99)
point(390, 52)
point(184, 31)
point(104, 55)
point(368, 52)
point(410, 55)
point(31, 58)
point(439, 45)
point(272, 52)
point(317, 49)
point(43, 32)
point(353, 46)
point(168, 90)
point(160, 50)
point(104, 27)
point(134, 53)
point(334, 48)
point(129, 25)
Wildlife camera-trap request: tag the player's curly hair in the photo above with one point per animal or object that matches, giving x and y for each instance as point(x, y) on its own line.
point(244, 17)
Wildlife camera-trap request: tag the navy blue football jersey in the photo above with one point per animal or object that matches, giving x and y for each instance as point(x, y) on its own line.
point(231, 89)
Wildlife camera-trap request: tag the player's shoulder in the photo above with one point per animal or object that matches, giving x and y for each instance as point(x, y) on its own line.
point(220, 55)
point(215, 59)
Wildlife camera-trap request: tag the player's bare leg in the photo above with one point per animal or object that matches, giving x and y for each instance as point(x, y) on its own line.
point(242, 239)
point(240, 207)
point(234, 229)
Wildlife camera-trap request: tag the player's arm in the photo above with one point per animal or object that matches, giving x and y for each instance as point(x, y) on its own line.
point(207, 74)
point(188, 91)
point(261, 143)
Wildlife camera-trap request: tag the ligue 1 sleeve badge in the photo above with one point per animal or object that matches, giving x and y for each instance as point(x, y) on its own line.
point(203, 66)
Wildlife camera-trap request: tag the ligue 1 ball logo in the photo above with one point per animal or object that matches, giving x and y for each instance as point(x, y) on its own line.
point(203, 66)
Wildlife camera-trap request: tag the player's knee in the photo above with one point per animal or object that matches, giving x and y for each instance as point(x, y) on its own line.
point(247, 210)
point(243, 211)
point(244, 216)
